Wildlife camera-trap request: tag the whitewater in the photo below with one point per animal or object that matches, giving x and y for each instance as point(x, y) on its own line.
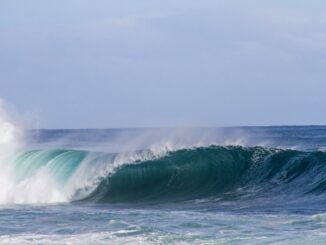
point(240, 185)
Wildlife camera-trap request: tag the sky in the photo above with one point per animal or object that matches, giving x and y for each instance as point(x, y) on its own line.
point(171, 63)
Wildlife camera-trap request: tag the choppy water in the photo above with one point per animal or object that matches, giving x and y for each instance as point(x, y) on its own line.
point(250, 185)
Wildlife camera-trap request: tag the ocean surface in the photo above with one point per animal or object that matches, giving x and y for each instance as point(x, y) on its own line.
point(244, 185)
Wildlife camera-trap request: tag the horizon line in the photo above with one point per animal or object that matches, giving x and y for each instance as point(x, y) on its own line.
point(184, 127)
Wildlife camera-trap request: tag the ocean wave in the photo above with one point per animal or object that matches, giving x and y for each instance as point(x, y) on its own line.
point(62, 175)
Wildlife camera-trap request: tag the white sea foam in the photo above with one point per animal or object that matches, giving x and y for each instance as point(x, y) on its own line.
point(39, 188)
point(10, 142)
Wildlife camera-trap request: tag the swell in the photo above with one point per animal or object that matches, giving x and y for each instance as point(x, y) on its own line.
point(187, 174)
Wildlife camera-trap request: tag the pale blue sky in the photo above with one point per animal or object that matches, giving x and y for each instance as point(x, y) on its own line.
point(90, 64)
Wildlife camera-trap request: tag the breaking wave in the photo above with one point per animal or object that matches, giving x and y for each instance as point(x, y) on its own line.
point(63, 175)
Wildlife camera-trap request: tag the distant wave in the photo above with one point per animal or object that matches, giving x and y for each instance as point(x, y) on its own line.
point(61, 175)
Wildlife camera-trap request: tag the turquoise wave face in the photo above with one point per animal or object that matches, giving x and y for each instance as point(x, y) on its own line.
point(60, 163)
point(219, 173)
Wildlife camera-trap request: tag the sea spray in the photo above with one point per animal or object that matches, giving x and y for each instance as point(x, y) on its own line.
point(10, 134)
point(39, 187)
point(10, 143)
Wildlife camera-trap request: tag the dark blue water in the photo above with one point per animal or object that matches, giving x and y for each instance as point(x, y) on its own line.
point(245, 185)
